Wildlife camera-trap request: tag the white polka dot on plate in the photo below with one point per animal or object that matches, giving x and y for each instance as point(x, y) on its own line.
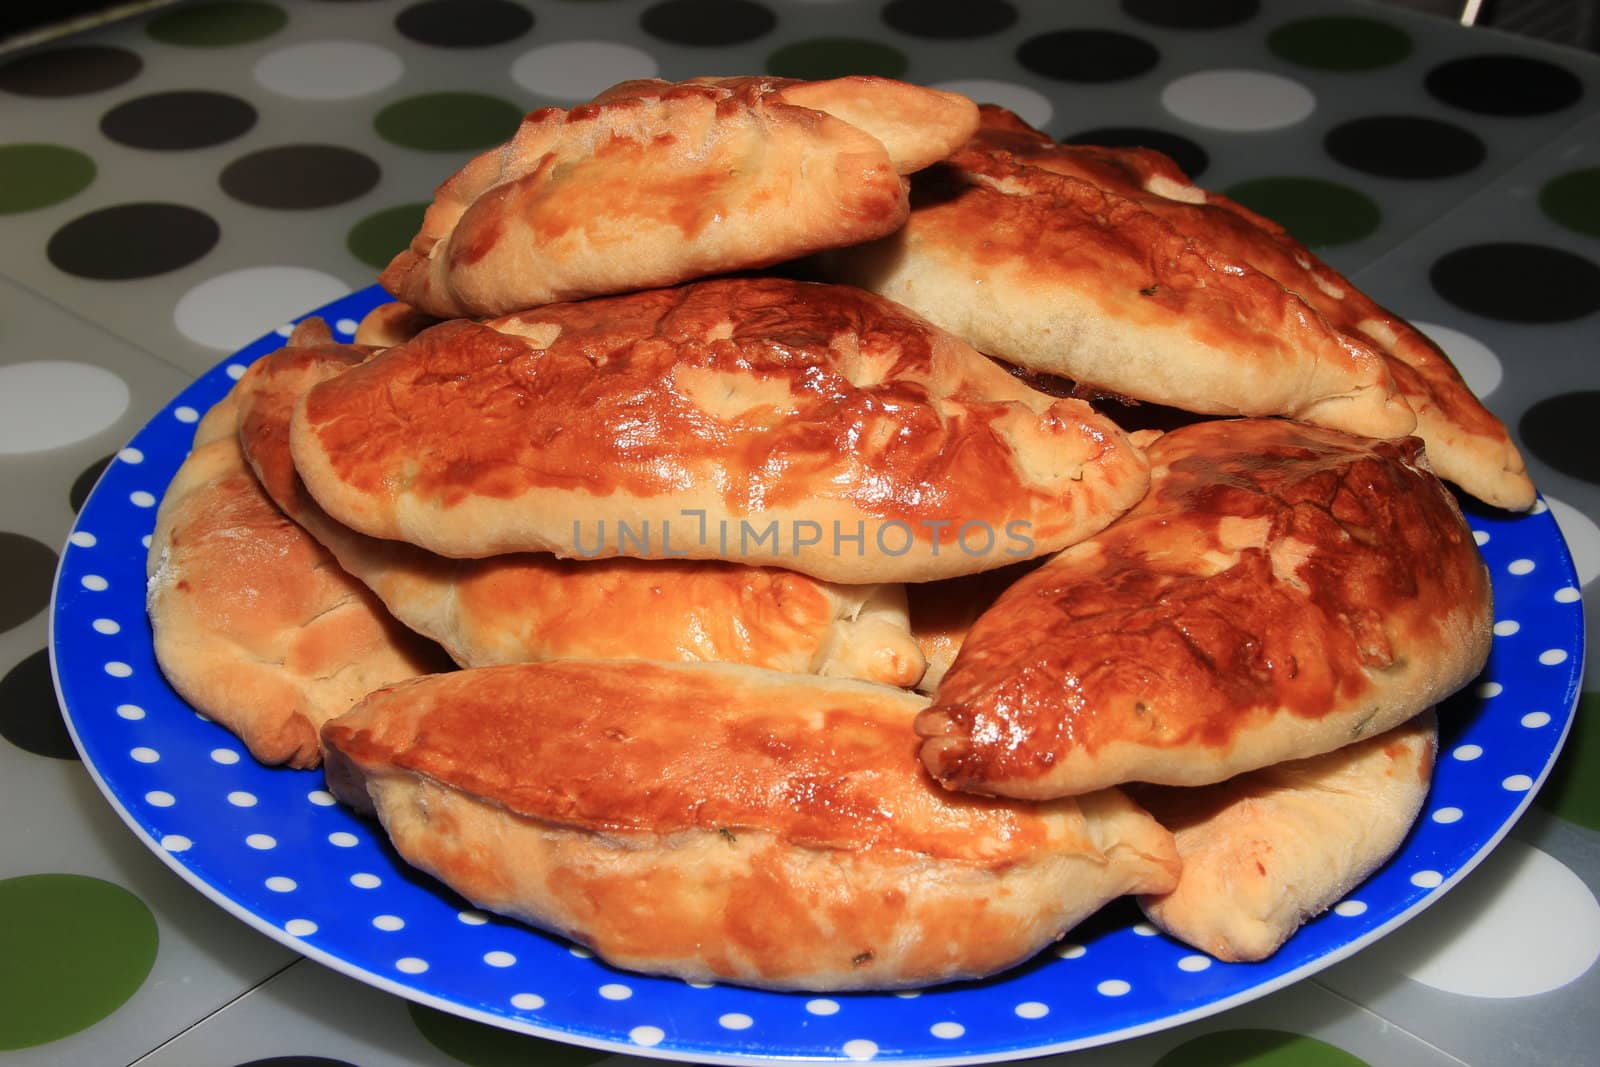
point(363, 880)
point(411, 965)
point(241, 799)
point(261, 842)
point(1427, 879)
point(860, 1049)
point(176, 843)
point(1480, 537)
point(1032, 1009)
point(1582, 537)
point(1552, 657)
point(329, 70)
point(498, 958)
point(346, 326)
point(529, 1002)
point(388, 923)
point(735, 1020)
point(579, 70)
point(1520, 567)
point(185, 413)
point(300, 927)
point(1475, 360)
point(472, 918)
point(141, 498)
point(1535, 719)
point(822, 1006)
point(48, 403)
point(1194, 964)
point(1466, 753)
point(225, 756)
point(580, 952)
point(1238, 100)
point(645, 1036)
point(1568, 595)
point(321, 798)
point(281, 884)
point(94, 583)
point(343, 839)
point(1446, 816)
point(235, 371)
point(1517, 783)
point(1032, 106)
point(118, 669)
point(615, 991)
point(107, 626)
point(1070, 951)
point(160, 798)
point(131, 712)
point(145, 755)
point(1113, 987)
point(131, 455)
point(230, 310)
point(83, 539)
point(1489, 690)
point(1521, 924)
point(1350, 908)
point(947, 1031)
point(1506, 627)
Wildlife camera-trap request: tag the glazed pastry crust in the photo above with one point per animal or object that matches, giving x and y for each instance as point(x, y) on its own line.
point(726, 823)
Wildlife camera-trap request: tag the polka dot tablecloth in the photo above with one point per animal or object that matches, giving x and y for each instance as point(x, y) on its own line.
point(175, 185)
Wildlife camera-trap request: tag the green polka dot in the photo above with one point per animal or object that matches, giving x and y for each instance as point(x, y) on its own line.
point(1340, 42)
point(218, 25)
point(1573, 789)
point(72, 951)
point(448, 122)
point(1316, 212)
point(836, 57)
point(1573, 200)
point(38, 175)
point(1257, 1048)
point(481, 1045)
point(377, 239)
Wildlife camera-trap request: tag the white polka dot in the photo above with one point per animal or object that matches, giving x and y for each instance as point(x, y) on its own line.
point(48, 403)
point(1481, 537)
point(1539, 507)
point(1489, 690)
point(692, 984)
point(1239, 100)
point(1427, 879)
point(1350, 908)
point(141, 499)
point(410, 965)
point(646, 1036)
point(735, 1020)
point(498, 958)
point(822, 1006)
point(1517, 783)
point(1194, 964)
point(107, 626)
point(1535, 719)
point(1113, 987)
point(83, 539)
point(1520, 925)
point(1582, 536)
point(1551, 657)
point(1032, 1009)
point(240, 799)
point(1070, 951)
point(363, 880)
point(235, 371)
point(580, 952)
point(1447, 815)
point(321, 798)
point(579, 70)
point(160, 798)
point(261, 842)
point(225, 756)
point(145, 755)
point(230, 310)
point(131, 712)
point(343, 839)
point(185, 413)
point(860, 1049)
point(286, 330)
point(279, 884)
point(907, 994)
point(472, 918)
point(346, 326)
point(1568, 595)
point(300, 927)
point(1144, 929)
point(329, 70)
point(94, 583)
point(118, 669)
point(1466, 753)
point(389, 923)
point(145, 541)
point(1475, 360)
point(1032, 106)
point(947, 1031)
point(176, 843)
point(532, 1002)
point(1506, 627)
point(131, 455)
point(1520, 567)
point(615, 991)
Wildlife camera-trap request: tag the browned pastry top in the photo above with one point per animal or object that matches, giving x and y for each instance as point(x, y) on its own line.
point(1277, 575)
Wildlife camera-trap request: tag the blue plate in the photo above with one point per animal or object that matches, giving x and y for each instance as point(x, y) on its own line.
point(271, 846)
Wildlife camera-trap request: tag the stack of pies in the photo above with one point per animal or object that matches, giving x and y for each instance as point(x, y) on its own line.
point(732, 550)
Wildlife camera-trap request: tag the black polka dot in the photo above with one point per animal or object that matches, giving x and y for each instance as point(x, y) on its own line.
point(1504, 85)
point(1404, 146)
point(297, 1061)
point(29, 567)
point(949, 19)
point(30, 717)
point(300, 176)
point(182, 119)
point(1518, 282)
point(1190, 157)
point(132, 241)
point(70, 71)
point(1192, 14)
point(83, 484)
point(464, 23)
point(1087, 55)
point(708, 22)
point(1559, 430)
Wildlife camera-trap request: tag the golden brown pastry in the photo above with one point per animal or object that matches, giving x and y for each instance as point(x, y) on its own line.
point(812, 427)
point(941, 613)
point(533, 606)
point(1266, 851)
point(391, 324)
point(656, 183)
point(1061, 269)
point(727, 823)
point(1282, 591)
point(254, 624)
